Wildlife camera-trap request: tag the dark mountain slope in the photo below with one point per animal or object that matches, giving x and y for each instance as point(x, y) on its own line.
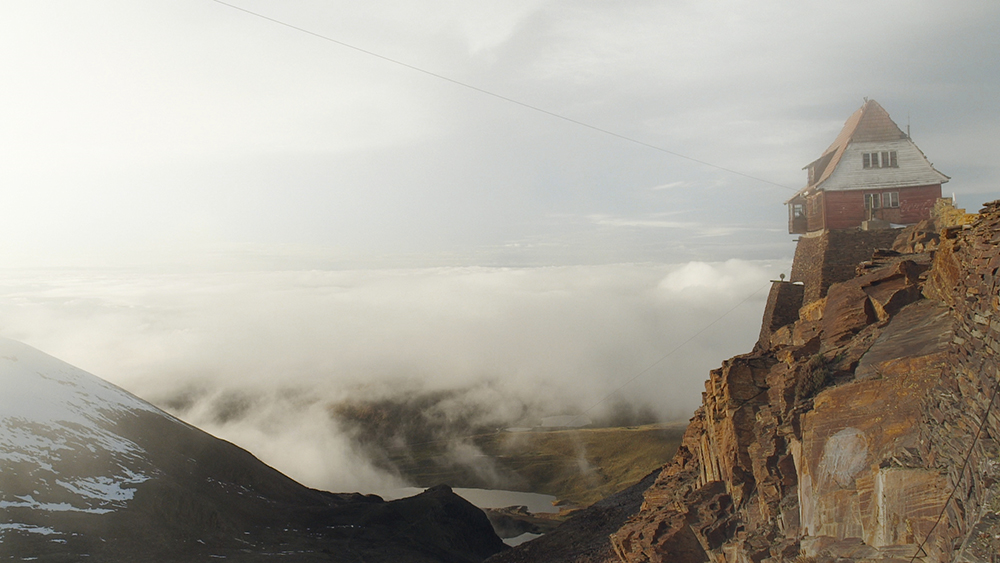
point(87, 470)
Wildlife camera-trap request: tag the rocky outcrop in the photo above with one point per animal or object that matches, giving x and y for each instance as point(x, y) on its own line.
point(863, 427)
point(861, 430)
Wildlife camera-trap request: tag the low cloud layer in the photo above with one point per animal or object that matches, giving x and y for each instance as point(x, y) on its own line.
point(267, 359)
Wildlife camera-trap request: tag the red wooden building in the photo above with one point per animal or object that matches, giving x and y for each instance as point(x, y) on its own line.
point(873, 172)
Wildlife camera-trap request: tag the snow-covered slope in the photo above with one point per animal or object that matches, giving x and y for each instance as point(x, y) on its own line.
point(89, 470)
point(59, 451)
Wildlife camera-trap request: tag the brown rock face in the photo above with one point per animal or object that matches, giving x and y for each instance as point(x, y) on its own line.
point(852, 431)
point(843, 436)
point(863, 429)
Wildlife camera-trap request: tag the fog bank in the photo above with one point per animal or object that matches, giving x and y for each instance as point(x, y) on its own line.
point(269, 360)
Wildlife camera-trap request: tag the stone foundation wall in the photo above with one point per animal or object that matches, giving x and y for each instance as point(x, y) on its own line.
point(807, 266)
point(782, 309)
point(833, 257)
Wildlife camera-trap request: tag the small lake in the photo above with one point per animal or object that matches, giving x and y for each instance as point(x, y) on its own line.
point(489, 498)
point(513, 542)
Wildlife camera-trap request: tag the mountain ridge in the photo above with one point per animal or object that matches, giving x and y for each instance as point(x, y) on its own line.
point(87, 469)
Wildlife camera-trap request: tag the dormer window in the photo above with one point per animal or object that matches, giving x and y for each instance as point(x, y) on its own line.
point(881, 159)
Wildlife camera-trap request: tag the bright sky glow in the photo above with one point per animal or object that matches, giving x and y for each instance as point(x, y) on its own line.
point(192, 133)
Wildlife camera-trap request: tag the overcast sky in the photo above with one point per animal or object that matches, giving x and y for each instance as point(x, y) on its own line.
point(198, 202)
point(189, 131)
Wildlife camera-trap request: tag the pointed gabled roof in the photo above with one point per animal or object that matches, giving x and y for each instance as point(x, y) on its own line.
point(869, 126)
point(871, 123)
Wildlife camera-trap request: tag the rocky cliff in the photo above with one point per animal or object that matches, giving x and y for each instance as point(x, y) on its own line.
point(862, 426)
point(862, 429)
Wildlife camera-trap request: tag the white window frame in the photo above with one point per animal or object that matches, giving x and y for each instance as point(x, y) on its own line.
point(879, 159)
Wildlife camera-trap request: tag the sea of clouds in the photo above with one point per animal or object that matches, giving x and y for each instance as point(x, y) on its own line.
point(263, 358)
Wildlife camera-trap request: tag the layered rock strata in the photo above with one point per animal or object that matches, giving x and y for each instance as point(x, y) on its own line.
point(863, 429)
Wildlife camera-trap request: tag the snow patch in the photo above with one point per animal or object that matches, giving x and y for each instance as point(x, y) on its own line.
point(29, 502)
point(105, 488)
point(27, 528)
point(43, 389)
